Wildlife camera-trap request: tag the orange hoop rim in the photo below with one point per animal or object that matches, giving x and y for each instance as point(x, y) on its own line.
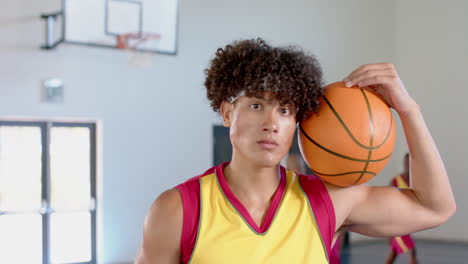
point(140, 37)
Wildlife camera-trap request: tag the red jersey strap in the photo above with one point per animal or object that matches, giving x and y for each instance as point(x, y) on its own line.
point(190, 194)
point(322, 207)
point(394, 182)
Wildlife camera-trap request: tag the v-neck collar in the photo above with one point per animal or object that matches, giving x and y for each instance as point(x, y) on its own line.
point(240, 208)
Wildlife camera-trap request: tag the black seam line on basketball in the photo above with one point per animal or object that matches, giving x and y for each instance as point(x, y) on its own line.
point(365, 168)
point(371, 132)
point(338, 154)
point(343, 174)
point(349, 132)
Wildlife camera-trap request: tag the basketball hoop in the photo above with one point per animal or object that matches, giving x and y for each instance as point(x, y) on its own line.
point(134, 44)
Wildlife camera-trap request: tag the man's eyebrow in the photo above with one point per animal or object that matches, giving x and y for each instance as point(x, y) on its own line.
point(261, 97)
point(272, 100)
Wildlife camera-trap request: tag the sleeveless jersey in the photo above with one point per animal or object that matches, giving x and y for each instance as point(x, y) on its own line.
point(297, 228)
point(401, 244)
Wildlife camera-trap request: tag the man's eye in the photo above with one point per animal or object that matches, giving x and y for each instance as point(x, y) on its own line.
point(255, 106)
point(285, 111)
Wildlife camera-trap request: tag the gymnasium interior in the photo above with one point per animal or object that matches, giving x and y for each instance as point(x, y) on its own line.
point(95, 123)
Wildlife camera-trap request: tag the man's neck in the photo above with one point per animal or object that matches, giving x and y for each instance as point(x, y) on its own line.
point(250, 183)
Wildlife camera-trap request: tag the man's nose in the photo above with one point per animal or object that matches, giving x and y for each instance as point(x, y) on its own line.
point(271, 122)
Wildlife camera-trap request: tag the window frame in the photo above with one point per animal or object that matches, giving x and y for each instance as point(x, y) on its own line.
point(46, 211)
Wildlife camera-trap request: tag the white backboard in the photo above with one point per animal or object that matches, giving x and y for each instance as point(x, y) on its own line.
point(99, 22)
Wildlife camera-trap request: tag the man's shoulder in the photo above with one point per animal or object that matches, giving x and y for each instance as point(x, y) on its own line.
point(311, 182)
point(347, 193)
point(167, 203)
point(190, 182)
point(193, 183)
point(162, 229)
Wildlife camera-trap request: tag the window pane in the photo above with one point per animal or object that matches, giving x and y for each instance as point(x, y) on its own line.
point(70, 237)
point(21, 239)
point(70, 168)
point(20, 168)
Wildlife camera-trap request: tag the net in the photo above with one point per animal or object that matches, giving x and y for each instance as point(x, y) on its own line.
point(134, 44)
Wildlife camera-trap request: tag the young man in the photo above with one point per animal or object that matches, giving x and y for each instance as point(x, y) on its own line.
point(252, 210)
point(402, 244)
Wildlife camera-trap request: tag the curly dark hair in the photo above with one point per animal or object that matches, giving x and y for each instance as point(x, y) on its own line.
point(254, 66)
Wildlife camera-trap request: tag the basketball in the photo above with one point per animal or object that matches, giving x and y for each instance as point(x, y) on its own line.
point(350, 139)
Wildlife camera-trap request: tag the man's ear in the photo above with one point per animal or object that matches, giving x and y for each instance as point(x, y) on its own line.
point(226, 113)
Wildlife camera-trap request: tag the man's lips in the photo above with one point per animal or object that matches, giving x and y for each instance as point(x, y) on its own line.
point(268, 144)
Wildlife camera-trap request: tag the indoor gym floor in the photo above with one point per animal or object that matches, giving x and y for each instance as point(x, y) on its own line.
point(429, 252)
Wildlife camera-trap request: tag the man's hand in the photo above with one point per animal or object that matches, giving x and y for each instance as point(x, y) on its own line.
point(383, 79)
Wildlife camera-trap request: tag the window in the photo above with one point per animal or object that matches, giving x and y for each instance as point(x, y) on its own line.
point(48, 192)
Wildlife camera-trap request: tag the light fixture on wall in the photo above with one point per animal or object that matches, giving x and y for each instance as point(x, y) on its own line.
point(52, 90)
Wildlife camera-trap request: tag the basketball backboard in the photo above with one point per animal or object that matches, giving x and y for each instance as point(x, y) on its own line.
point(100, 22)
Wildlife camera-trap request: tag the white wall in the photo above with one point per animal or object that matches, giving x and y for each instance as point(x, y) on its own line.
point(432, 41)
point(157, 122)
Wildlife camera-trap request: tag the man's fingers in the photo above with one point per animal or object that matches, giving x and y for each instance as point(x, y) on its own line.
point(358, 78)
point(368, 70)
point(375, 80)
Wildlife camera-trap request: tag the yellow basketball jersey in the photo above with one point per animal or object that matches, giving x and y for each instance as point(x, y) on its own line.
point(225, 236)
point(401, 183)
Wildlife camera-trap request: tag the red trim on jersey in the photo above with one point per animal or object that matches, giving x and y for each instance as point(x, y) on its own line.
point(394, 182)
point(335, 257)
point(275, 202)
point(322, 206)
point(402, 246)
point(190, 194)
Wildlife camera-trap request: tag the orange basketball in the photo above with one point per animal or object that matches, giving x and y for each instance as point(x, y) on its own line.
point(350, 139)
